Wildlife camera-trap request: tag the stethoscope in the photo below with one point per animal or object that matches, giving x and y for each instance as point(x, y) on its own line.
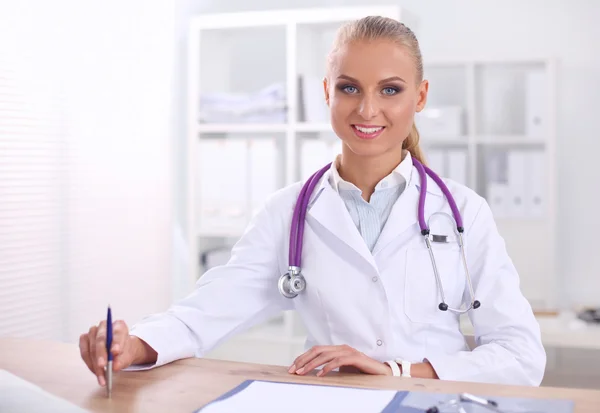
point(293, 283)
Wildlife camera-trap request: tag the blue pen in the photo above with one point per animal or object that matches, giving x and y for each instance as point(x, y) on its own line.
point(109, 336)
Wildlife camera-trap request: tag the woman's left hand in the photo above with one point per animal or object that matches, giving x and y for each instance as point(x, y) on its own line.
point(333, 357)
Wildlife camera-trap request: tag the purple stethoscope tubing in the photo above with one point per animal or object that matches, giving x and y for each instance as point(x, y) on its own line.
point(293, 282)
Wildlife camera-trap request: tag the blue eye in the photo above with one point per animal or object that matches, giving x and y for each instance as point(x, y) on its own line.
point(390, 91)
point(349, 89)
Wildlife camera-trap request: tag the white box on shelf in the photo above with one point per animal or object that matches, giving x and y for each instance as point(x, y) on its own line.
point(263, 171)
point(535, 103)
point(440, 122)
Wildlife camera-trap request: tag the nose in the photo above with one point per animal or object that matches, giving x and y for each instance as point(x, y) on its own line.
point(368, 107)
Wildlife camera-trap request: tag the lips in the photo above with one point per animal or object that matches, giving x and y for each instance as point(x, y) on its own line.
point(367, 131)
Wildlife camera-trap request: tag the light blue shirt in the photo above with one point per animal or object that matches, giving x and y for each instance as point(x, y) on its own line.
point(370, 217)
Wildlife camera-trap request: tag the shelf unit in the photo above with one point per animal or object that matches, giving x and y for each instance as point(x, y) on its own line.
point(242, 54)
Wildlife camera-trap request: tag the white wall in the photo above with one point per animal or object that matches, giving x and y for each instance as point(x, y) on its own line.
point(116, 64)
point(564, 29)
point(120, 85)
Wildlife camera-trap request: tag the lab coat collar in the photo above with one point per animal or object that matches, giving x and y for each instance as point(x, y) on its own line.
point(399, 176)
point(404, 170)
point(330, 212)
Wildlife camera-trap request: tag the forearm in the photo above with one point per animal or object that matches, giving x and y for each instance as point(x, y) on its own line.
point(423, 371)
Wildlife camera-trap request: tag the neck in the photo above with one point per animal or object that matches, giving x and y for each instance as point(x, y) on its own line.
point(367, 171)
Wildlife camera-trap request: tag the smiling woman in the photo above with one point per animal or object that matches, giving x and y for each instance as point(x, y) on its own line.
point(374, 86)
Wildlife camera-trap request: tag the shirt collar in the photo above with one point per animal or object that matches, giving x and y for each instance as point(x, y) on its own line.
point(399, 176)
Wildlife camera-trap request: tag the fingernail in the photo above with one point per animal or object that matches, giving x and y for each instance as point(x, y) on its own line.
point(320, 373)
point(300, 371)
point(116, 348)
point(101, 361)
point(101, 381)
point(291, 369)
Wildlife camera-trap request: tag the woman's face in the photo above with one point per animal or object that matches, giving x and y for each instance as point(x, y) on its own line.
point(373, 93)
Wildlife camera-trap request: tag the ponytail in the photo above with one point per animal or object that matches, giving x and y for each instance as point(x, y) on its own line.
point(411, 144)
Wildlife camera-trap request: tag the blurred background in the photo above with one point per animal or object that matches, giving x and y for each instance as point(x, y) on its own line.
point(121, 121)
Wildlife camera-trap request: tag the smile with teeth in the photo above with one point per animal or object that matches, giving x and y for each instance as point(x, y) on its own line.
point(364, 131)
point(369, 130)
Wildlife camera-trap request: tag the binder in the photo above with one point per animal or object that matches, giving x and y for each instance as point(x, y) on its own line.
point(316, 153)
point(457, 166)
point(222, 185)
point(535, 203)
point(497, 192)
point(436, 161)
point(263, 176)
point(535, 101)
point(516, 184)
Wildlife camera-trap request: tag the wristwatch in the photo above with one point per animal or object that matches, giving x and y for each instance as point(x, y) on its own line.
point(404, 364)
point(405, 368)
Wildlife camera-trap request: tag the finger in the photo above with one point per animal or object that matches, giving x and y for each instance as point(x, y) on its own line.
point(84, 349)
point(101, 345)
point(92, 350)
point(323, 358)
point(125, 357)
point(345, 360)
point(305, 357)
point(120, 334)
point(309, 355)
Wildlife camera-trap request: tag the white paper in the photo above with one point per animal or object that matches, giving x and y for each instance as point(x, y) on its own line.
point(18, 395)
point(269, 397)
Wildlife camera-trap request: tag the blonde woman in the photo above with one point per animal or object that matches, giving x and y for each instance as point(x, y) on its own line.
point(351, 251)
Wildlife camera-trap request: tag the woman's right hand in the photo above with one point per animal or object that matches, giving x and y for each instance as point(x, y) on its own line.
point(126, 349)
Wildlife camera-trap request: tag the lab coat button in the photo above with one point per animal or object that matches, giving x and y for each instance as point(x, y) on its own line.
point(379, 342)
point(375, 279)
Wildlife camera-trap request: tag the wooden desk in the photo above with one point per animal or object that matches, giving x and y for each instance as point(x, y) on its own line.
point(186, 385)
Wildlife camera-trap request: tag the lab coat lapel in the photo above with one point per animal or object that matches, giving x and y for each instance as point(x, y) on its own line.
point(329, 211)
point(403, 215)
point(406, 209)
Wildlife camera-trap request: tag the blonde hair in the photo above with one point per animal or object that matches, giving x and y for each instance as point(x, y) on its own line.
point(376, 28)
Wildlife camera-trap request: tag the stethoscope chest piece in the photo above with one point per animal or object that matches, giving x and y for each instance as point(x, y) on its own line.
point(291, 283)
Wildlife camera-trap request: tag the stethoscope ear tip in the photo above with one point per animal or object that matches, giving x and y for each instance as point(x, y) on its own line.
point(443, 306)
point(476, 304)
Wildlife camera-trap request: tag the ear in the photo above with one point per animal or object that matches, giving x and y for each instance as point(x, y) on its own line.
point(326, 90)
point(422, 92)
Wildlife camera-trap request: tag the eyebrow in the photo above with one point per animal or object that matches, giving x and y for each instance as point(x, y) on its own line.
point(389, 79)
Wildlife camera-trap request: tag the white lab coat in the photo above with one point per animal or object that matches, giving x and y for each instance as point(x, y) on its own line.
point(382, 303)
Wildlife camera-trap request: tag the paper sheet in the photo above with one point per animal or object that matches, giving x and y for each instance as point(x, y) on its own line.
point(271, 397)
point(18, 396)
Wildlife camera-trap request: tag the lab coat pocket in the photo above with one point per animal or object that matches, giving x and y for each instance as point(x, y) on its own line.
point(421, 293)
